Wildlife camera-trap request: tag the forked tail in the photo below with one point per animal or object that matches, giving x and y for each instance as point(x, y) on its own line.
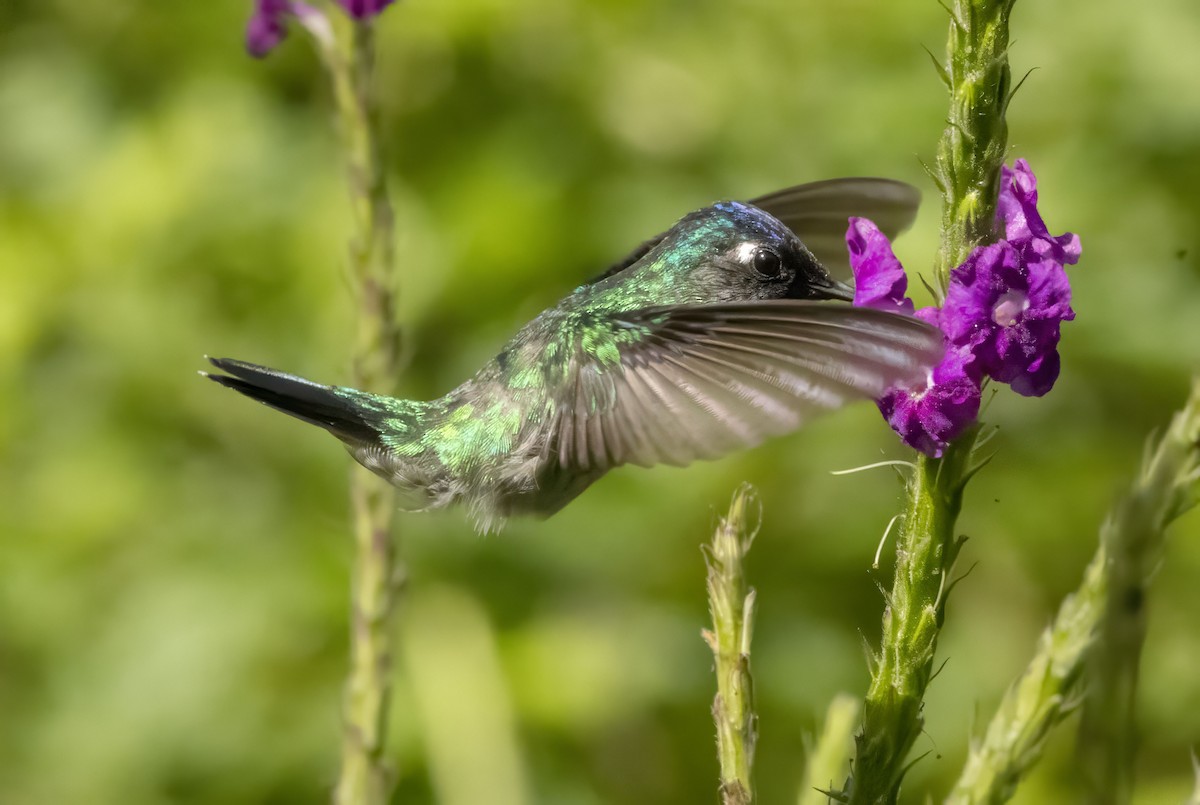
point(333, 408)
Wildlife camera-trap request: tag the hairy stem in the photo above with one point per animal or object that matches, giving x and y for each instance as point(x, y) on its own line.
point(365, 777)
point(903, 666)
point(1132, 536)
point(973, 144)
point(1053, 683)
point(732, 608)
point(1047, 690)
point(969, 157)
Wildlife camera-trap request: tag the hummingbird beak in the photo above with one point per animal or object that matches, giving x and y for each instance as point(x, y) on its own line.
point(835, 290)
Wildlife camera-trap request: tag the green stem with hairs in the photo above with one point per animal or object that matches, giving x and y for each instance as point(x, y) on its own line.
point(365, 777)
point(1131, 542)
point(1132, 537)
point(1045, 693)
point(974, 142)
point(903, 666)
point(969, 157)
point(732, 606)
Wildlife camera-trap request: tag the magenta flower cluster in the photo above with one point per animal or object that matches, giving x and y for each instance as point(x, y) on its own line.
point(1001, 317)
point(268, 25)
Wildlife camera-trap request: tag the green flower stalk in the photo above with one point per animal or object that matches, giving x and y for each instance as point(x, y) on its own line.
point(1132, 538)
point(732, 608)
point(345, 42)
point(904, 664)
point(1045, 693)
point(1097, 627)
point(348, 55)
point(969, 159)
point(365, 777)
point(973, 145)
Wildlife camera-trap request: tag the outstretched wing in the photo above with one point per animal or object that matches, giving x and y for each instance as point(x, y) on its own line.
point(818, 212)
point(697, 382)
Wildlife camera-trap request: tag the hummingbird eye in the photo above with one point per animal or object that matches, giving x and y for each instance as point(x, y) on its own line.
point(767, 263)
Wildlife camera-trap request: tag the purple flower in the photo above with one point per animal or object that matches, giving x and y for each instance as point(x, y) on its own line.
point(929, 416)
point(364, 9)
point(879, 279)
point(933, 414)
point(1006, 305)
point(1001, 318)
point(267, 27)
point(1017, 208)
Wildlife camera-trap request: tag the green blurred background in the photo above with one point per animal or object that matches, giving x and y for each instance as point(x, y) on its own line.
point(174, 560)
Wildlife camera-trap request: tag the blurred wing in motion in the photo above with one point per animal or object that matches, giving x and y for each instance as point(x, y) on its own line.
point(697, 382)
point(818, 213)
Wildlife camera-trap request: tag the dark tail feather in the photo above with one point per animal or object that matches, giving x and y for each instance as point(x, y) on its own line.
point(303, 399)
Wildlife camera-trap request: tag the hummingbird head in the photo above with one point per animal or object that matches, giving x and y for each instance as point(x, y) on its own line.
point(737, 252)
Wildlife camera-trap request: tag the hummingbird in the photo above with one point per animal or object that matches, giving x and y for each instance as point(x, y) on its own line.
point(717, 334)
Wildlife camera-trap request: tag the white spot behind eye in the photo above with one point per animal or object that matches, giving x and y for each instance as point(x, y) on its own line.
point(745, 251)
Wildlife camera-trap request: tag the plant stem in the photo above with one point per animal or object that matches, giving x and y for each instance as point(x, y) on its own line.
point(973, 144)
point(1047, 690)
point(732, 608)
point(969, 157)
point(925, 553)
point(827, 758)
point(365, 777)
point(1132, 536)
point(1131, 541)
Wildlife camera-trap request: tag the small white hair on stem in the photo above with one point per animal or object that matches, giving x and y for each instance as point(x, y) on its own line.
point(883, 540)
point(895, 463)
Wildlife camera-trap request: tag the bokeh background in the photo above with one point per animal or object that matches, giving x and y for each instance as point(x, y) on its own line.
point(174, 560)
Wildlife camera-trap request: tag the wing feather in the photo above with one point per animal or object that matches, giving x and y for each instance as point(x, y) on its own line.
point(705, 380)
